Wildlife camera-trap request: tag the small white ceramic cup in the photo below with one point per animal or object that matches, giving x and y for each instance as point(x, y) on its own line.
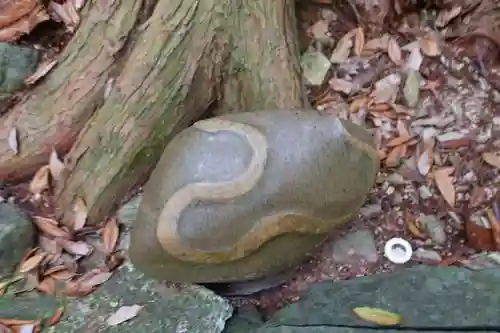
point(398, 250)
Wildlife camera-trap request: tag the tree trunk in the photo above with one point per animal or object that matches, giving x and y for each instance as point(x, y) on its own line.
point(56, 110)
point(188, 56)
point(264, 70)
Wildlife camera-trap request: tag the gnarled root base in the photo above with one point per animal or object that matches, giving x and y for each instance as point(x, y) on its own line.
point(135, 74)
point(189, 55)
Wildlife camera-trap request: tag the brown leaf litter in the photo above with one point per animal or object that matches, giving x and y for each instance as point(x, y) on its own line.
point(439, 156)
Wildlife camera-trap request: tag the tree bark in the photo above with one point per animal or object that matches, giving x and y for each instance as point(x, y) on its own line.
point(264, 70)
point(54, 112)
point(188, 56)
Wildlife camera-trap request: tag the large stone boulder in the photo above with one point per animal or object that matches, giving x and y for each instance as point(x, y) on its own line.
point(248, 195)
point(428, 299)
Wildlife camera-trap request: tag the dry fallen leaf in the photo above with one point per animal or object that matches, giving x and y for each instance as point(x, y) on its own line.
point(478, 235)
point(54, 270)
point(93, 279)
point(401, 109)
point(424, 163)
point(64, 275)
point(401, 127)
point(47, 244)
point(74, 288)
point(12, 140)
point(110, 235)
point(56, 316)
point(358, 103)
point(342, 49)
point(320, 32)
point(76, 248)
point(50, 227)
point(359, 41)
point(342, 85)
point(415, 230)
point(79, 4)
point(455, 144)
point(25, 328)
point(40, 181)
point(47, 286)
point(492, 158)
point(378, 43)
point(42, 70)
point(495, 228)
point(430, 45)
point(394, 51)
point(414, 60)
point(11, 322)
point(445, 16)
point(5, 329)
point(394, 157)
point(411, 88)
point(32, 262)
point(398, 141)
point(123, 314)
point(67, 12)
point(386, 89)
point(115, 260)
point(87, 283)
point(444, 183)
point(377, 316)
point(80, 211)
point(56, 166)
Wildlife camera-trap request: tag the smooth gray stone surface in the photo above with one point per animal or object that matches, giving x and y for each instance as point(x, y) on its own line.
point(424, 296)
point(16, 63)
point(429, 299)
point(167, 308)
point(250, 195)
point(245, 320)
point(190, 309)
point(28, 306)
point(17, 236)
point(356, 245)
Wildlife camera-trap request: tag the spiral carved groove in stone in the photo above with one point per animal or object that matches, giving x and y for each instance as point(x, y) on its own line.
point(168, 220)
point(266, 228)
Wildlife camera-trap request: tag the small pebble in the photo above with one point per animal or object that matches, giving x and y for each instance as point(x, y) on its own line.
point(369, 211)
point(457, 222)
point(431, 255)
point(395, 179)
point(424, 192)
point(434, 228)
point(360, 243)
point(450, 136)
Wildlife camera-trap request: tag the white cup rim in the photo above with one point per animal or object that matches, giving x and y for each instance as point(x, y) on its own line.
point(398, 257)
